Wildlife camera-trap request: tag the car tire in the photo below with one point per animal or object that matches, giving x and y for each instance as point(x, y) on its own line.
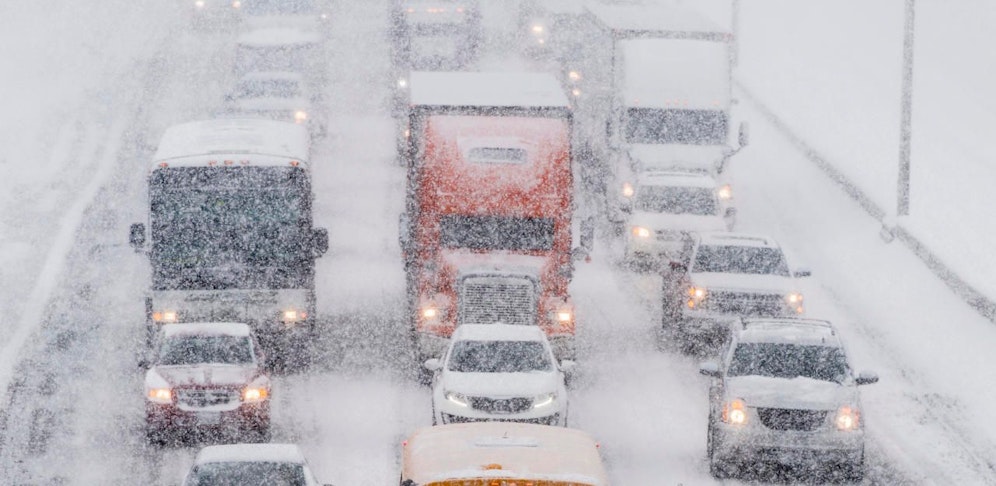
point(719, 467)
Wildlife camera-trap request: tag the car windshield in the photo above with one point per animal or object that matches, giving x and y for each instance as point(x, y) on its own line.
point(499, 357)
point(776, 360)
point(248, 474)
point(269, 88)
point(676, 200)
point(192, 350)
point(756, 260)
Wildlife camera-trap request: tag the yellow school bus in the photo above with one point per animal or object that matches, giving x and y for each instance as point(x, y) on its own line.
point(501, 454)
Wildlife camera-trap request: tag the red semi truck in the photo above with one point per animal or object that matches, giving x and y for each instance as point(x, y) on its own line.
point(487, 232)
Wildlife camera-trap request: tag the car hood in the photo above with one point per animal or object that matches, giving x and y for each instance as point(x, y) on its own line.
point(204, 375)
point(797, 393)
point(744, 282)
point(500, 385)
point(678, 222)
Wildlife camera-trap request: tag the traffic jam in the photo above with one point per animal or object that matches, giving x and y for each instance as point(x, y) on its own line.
point(615, 124)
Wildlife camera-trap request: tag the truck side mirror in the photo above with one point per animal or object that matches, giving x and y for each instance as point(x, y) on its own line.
point(743, 138)
point(319, 241)
point(136, 236)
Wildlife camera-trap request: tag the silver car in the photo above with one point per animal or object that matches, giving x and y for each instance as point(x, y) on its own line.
point(784, 392)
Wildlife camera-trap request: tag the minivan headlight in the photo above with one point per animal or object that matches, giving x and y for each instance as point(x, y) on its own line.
point(544, 400)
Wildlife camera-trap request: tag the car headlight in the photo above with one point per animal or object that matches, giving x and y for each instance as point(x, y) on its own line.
point(695, 296)
point(725, 192)
point(160, 395)
point(735, 412)
point(627, 190)
point(641, 232)
point(794, 301)
point(538, 29)
point(165, 316)
point(402, 83)
point(300, 116)
point(847, 419)
point(457, 399)
point(291, 316)
point(544, 400)
point(255, 394)
point(236, 4)
point(199, 4)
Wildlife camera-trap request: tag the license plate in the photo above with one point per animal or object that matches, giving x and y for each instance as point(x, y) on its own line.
point(208, 418)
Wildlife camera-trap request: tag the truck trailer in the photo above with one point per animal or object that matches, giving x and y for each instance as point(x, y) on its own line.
point(488, 229)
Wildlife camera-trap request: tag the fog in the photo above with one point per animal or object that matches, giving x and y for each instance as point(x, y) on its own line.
point(90, 89)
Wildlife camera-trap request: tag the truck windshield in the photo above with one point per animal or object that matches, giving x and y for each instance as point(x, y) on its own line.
point(740, 259)
point(676, 200)
point(499, 357)
point(225, 228)
point(496, 233)
point(692, 127)
point(825, 363)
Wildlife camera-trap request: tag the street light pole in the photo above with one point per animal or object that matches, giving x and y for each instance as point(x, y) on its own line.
point(906, 117)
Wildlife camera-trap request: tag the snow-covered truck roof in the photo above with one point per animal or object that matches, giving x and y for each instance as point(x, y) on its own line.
point(495, 450)
point(496, 91)
point(641, 21)
point(233, 142)
point(676, 73)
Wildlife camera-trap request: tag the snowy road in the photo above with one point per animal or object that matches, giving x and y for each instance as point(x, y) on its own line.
point(74, 413)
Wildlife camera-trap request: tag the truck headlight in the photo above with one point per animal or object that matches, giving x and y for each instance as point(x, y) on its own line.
point(165, 316)
point(725, 192)
point(544, 400)
point(735, 412)
point(847, 419)
point(160, 395)
point(457, 399)
point(695, 296)
point(641, 232)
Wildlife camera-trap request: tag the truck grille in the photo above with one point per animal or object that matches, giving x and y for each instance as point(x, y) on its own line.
point(501, 405)
point(206, 397)
point(746, 303)
point(490, 300)
point(792, 419)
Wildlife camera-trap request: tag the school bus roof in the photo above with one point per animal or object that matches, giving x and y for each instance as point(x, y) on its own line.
point(232, 139)
point(495, 450)
point(466, 90)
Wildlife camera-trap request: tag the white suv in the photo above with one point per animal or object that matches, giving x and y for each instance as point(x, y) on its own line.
point(499, 372)
point(784, 392)
point(719, 277)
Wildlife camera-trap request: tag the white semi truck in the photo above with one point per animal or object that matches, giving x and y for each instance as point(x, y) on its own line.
point(229, 234)
point(655, 93)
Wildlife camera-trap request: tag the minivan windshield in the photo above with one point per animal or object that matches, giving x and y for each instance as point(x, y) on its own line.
point(776, 360)
point(758, 260)
point(193, 350)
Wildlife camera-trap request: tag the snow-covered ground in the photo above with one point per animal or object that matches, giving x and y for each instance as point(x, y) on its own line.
point(88, 107)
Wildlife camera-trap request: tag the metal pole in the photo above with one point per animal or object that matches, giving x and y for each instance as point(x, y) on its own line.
point(906, 118)
point(735, 28)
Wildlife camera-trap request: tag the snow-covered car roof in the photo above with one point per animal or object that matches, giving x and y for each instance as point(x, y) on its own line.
point(502, 450)
point(628, 21)
point(278, 36)
point(498, 332)
point(680, 178)
point(250, 453)
point(736, 239)
point(491, 90)
point(236, 138)
point(236, 329)
point(813, 332)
